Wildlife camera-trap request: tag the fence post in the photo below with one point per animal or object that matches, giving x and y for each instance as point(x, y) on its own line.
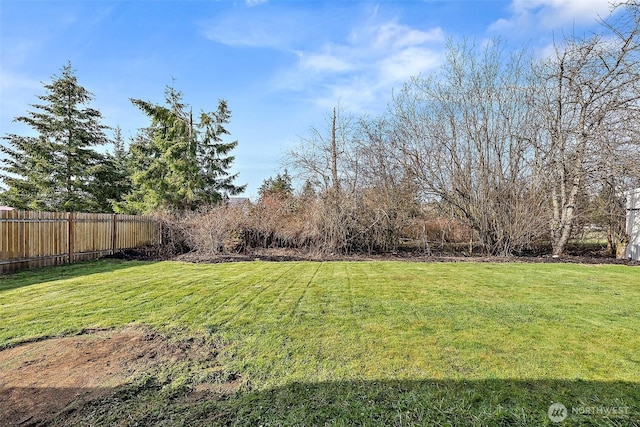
point(71, 237)
point(114, 234)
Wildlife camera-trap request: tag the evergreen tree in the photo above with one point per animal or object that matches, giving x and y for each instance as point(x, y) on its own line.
point(280, 186)
point(55, 170)
point(308, 191)
point(140, 156)
point(213, 156)
point(178, 163)
point(112, 179)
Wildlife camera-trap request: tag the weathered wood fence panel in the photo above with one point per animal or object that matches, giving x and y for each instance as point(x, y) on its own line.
point(37, 239)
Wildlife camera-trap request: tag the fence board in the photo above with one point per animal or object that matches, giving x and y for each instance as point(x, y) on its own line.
point(35, 239)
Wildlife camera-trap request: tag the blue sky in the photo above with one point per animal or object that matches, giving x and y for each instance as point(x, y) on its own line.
point(281, 65)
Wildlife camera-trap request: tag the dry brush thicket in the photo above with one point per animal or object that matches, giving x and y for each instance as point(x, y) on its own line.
point(310, 225)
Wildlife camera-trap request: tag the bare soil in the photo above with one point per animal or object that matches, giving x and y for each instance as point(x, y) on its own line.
point(278, 255)
point(39, 380)
point(586, 254)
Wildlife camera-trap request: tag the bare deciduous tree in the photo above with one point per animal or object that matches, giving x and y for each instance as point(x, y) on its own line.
point(587, 102)
point(364, 197)
point(464, 135)
point(326, 157)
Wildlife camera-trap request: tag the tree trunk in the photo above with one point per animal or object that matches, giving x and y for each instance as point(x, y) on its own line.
point(567, 206)
point(334, 154)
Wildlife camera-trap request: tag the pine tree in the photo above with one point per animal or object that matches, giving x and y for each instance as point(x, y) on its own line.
point(178, 163)
point(55, 169)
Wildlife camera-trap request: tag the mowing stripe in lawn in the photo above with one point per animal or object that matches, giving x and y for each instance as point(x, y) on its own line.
point(371, 320)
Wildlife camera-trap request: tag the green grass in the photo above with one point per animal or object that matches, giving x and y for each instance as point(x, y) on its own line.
point(363, 343)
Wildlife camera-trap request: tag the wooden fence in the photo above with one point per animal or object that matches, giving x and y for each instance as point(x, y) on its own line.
point(36, 239)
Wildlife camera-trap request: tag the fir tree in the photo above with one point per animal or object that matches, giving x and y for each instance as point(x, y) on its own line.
point(55, 169)
point(213, 156)
point(112, 179)
point(178, 163)
point(280, 186)
point(140, 156)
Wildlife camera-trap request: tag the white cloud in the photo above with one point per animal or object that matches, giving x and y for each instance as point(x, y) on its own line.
point(360, 71)
point(323, 62)
point(353, 96)
point(393, 35)
point(228, 33)
point(272, 27)
point(251, 3)
point(408, 63)
point(354, 60)
point(528, 15)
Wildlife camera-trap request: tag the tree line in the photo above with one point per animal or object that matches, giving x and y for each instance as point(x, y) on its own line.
point(177, 162)
point(505, 148)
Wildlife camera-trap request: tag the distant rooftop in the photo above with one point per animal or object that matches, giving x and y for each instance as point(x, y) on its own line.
point(6, 208)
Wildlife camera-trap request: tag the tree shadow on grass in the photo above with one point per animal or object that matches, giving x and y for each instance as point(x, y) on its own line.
point(363, 403)
point(9, 281)
point(441, 402)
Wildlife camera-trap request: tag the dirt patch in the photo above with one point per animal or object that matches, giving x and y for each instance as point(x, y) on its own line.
point(40, 379)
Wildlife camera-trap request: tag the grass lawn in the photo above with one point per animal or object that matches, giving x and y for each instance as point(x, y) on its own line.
point(365, 343)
